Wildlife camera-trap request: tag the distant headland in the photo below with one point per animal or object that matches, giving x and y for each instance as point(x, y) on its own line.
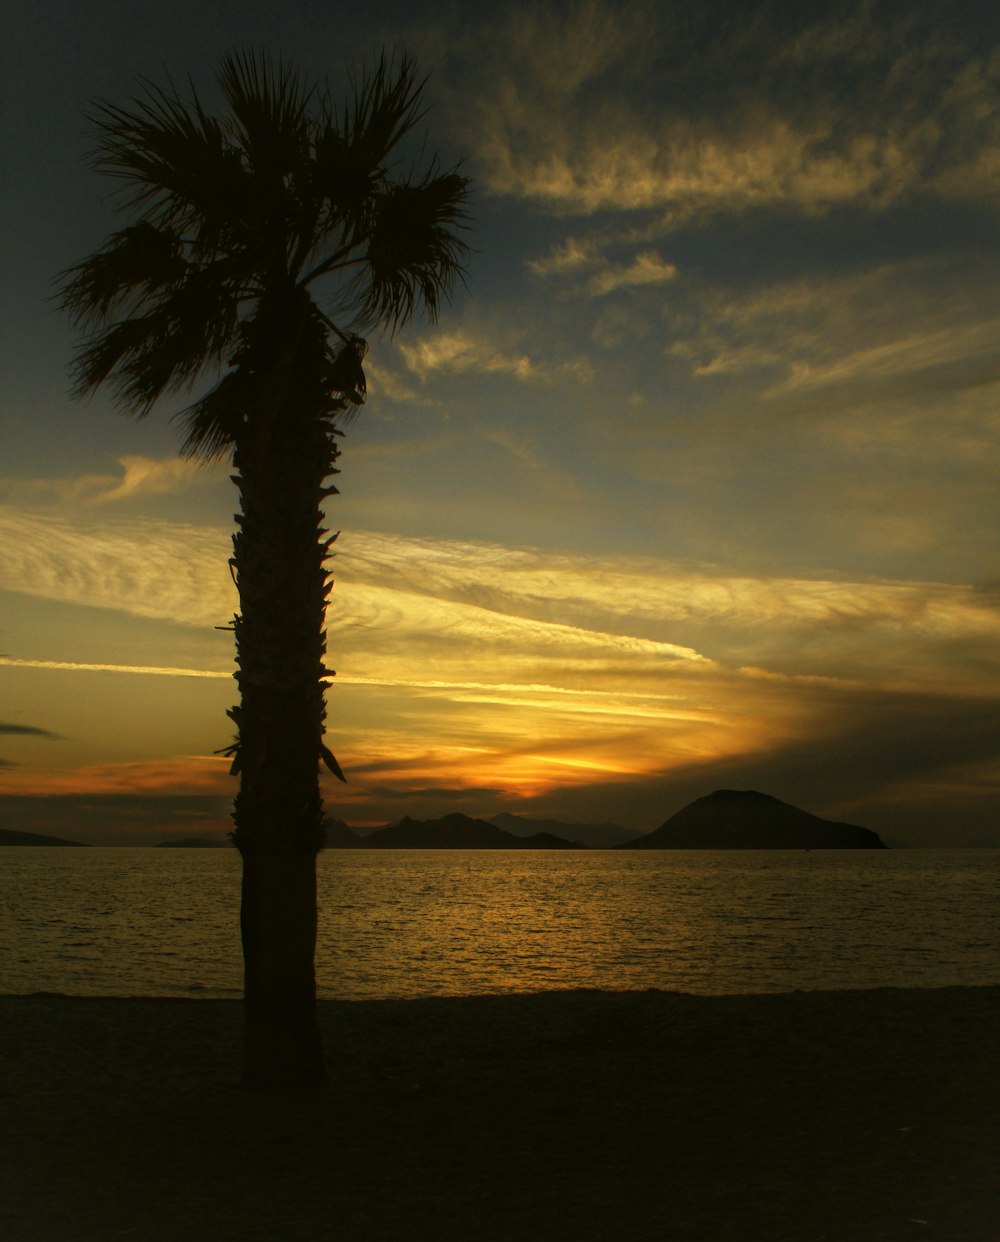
point(9, 837)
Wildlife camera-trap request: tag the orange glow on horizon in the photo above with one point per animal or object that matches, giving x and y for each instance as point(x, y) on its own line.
point(190, 774)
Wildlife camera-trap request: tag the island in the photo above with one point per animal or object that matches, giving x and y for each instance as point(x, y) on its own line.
point(594, 836)
point(734, 819)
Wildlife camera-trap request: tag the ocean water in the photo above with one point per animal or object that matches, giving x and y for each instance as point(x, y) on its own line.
point(403, 923)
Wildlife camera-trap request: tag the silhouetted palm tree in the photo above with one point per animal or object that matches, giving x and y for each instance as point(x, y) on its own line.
point(243, 226)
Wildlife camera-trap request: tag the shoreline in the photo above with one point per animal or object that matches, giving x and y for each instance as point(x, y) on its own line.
point(834, 1115)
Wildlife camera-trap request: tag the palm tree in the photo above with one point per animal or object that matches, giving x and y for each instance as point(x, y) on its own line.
point(252, 234)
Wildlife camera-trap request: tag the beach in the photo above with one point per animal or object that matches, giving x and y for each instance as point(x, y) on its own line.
point(851, 1116)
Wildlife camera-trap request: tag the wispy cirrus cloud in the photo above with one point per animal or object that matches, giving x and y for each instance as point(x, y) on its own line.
point(546, 618)
point(80, 666)
point(915, 327)
point(141, 566)
point(916, 353)
point(804, 626)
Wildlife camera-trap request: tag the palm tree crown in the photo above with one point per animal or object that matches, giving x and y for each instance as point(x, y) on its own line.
point(234, 218)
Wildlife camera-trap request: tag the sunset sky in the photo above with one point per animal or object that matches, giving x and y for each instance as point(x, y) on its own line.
point(694, 487)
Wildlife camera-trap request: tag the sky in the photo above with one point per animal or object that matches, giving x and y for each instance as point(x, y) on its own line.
point(693, 486)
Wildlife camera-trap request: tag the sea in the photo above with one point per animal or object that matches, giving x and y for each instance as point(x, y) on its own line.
point(411, 923)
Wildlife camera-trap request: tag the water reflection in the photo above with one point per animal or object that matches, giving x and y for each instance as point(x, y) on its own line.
point(454, 922)
point(419, 923)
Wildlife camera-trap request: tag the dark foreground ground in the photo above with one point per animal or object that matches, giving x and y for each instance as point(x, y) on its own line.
point(565, 1117)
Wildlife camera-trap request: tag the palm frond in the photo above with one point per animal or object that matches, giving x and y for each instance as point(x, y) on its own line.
point(105, 352)
point(132, 266)
point(353, 145)
point(189, 327)
point(212, 423)
point(385, 106)
point(415, 252)
point(173, 160)
point(269, 118)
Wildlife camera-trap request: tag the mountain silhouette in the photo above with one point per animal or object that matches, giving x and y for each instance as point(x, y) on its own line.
point(732, 819)
point(453, 832)
point(594, 836)
point(338, 836)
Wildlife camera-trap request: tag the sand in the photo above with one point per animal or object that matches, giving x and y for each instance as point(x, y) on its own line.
point(839, 1116)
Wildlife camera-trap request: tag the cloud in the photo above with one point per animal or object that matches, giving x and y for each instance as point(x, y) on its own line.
point(457, 353)
point(122, 817)
point(384, 382)
point(17, 730)
point(909, 355)
point(441, 794)
point(76, 666)
point(138, 565)
point(550, 618)
point(521, 450)
point(162, 777)
point(140, 477)
point(646, 269)
point(593, 107)
point(468, 664)
point(8, 729)
point(909, 328)
point(641, 596)
point(573, 255)
point(145, 476)
point(684, 168)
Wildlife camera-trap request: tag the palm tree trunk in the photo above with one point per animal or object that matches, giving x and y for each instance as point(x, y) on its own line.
point(282, 1046)
point(278, 559)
